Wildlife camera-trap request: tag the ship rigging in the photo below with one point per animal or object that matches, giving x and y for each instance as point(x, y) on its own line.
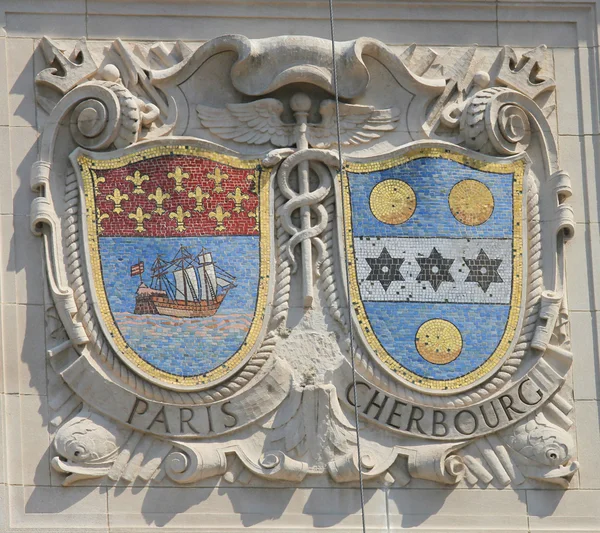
point(189, 285)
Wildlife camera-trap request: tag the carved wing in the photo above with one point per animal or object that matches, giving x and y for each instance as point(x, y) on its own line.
point(358, 124)
point(256, 122)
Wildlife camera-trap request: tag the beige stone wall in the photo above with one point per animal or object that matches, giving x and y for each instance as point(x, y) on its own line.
point(31, 495)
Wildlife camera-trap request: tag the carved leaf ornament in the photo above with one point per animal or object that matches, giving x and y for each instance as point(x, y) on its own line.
point(183, 231)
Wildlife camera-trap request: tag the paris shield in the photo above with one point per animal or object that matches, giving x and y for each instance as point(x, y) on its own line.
point(434, 242)
point(179, 257)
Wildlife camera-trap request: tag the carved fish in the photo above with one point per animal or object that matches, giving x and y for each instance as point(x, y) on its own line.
point(87, 446)
point(542, 442)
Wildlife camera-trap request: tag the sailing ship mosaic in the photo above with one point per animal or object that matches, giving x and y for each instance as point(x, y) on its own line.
point(179, 247)
point(436, 263)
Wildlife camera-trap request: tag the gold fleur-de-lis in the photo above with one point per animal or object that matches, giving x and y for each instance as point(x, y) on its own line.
point(219, 215)
point(159, 197)
point(139, 216)
point(99, 218)
point(217, 177)
point(179, 175)
point(254, 215)
point(180, 215)
point(137, 179)
point(253, 178)
point(199, 196)
point(238, 197)
point(116, 197)
point(97, 180)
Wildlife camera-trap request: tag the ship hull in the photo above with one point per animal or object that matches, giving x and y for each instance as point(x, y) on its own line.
point(161, 305)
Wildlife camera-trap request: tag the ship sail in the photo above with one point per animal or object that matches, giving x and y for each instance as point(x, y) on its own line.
point(186, 284)
point(209, 281)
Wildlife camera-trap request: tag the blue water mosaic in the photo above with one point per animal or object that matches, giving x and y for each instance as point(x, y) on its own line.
point(396, 323)
point(432, 180)
point(182, 346)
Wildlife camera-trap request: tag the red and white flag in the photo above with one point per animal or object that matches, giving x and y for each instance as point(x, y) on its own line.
point(137, 269)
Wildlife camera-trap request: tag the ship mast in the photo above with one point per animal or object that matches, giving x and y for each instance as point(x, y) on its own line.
point(209, 279)
point(196, 277)
point(159, 272)
point(183, 274)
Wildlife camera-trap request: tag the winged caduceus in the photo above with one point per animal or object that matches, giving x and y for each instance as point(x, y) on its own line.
point(259, 122)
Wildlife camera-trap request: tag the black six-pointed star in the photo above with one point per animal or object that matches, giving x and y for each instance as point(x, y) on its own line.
point(483, 270)
point(385, 269)
point(435, 269)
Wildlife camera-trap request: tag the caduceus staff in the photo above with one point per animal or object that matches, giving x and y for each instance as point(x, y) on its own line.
point(259, 122)
point(300, 104)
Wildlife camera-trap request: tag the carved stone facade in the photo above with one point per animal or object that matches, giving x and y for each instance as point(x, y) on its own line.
point(270, 264)
point(193, 370)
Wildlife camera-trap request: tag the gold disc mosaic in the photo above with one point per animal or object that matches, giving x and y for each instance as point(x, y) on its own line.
point(436, 291)
point(438, 341)
point(393, 201)
point(471, 202)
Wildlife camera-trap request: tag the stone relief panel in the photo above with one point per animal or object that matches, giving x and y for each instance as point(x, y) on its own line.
point(252, 279)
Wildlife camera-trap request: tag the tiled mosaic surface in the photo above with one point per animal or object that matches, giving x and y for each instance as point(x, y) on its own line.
point(157, 203)
point(434, 270)
point(435, 255)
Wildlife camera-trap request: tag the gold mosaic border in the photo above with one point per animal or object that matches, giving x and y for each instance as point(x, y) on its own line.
point(515, 167)
point(88, 165)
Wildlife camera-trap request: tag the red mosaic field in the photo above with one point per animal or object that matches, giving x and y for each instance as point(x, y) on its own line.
point(237, 217)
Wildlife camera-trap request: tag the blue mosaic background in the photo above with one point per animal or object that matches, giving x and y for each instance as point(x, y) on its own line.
point(396, 326)
point(182, 346)
point(395, 323)
point(432, 180)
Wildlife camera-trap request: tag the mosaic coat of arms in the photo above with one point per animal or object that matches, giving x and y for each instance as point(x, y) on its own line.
point(193, 217)
point(252, 278)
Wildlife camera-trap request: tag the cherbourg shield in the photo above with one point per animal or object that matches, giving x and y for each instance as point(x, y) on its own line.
point(178, 244)
point(435, 240)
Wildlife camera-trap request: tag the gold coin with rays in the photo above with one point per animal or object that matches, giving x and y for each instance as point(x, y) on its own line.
point(393, 201)
point(471, 202)
point(438, 341)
